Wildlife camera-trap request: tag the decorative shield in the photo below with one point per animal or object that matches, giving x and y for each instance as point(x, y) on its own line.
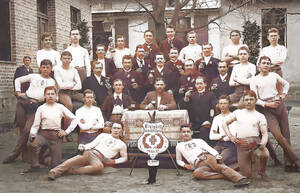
point(153, 141)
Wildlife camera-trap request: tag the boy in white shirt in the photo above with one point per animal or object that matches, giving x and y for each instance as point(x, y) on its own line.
point(193, 50)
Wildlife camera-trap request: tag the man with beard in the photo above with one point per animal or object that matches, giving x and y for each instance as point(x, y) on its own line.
point(200, 105)
point(220, 85)
point(80, 55)
point(170, 42)
point(97, 83)
point(132, 80)
point(208, 65)
point(204, 160)
point(158, 99)
point(108, 65)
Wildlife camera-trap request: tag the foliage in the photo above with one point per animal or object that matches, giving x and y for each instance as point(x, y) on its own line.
point(251, 33)
point(84, 33)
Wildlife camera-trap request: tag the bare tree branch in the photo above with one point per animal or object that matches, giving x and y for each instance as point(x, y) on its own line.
point(147, 10)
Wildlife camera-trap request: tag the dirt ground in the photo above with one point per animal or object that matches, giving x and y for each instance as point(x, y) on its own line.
point(118, 180)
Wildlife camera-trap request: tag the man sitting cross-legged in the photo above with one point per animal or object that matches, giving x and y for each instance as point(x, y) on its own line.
point(96, 154)
point(204, 160)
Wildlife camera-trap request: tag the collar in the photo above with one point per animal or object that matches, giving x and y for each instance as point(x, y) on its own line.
point(115, 95)
point(202, 91)
point(127, 70)
point(223, 77)
point(159, 69)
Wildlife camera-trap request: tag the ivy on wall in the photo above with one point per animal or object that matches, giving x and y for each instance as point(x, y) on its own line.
point(84, 33)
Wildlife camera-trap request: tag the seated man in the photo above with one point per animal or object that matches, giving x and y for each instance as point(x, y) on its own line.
point(200, 106)
point(159, 99)
point(116, 104)
point(251, 148)
point(68, 81)
point(46, 128)
point(27, 104)
point(139, 63)
point(204, 160)
point(96, 155)
point(220, 85)
point(224, 146)
point(90, 119)
point(99, 84)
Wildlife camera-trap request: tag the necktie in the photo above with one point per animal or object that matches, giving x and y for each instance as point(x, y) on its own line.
point(119, 101)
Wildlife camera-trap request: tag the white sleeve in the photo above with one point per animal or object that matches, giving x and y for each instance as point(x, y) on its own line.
point(77, 80)
point(123, 158)
point(87, 63)
point(21, 80)
point(37, 121)
point(57, 59)
point(58, 77)
point(181, 55)
point(213, 135)
point(70, 115)
point(38, 58)
point(285, 84)
point(253, 87)
point(100, 120)
point(94, 143)
point(231, 81)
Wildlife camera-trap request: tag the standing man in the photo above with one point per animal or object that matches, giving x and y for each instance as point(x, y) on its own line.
point(151, 49)
point(89, 118)
point(81, 57)
point(208, 65)
point(68, 81)
point(277, 53)
point(224, 146)
point(251, 148)
point(119, 52)
point(200, 106)
point(230, 52)
point(159, 99)
point(109, 67)
point(204, 160)
point(96, 155)
point(27, 104)
point(46, 128)
point(193, 50)
point(170, 42)
point(116, 104)
point(271, 90)
point(139, 63)
point(220, 84)
point(47, 52)
point(97, 83)
point(23, 71)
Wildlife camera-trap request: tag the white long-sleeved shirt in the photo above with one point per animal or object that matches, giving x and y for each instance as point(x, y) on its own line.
point(242, 73)
point(248, 123)
point(217, 131)
point(232, 50)
point(193, 52)
point(37, 85)
point(192, 148)
point(80, 58)
point(275, 53)
point(92, 117)
point(67, 78)
point(51, 55)
point(265, 86)
point(118, 56)
point(108, 146)
point(49, 117)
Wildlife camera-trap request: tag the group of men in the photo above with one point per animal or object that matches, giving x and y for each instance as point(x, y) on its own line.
point(165, 77)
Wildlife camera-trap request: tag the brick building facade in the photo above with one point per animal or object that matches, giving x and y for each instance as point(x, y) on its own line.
point(23, 21)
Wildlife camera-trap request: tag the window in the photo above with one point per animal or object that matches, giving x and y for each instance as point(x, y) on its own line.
point(75, 17)
point(5, 47)
point(42, 14)
point(275, 17)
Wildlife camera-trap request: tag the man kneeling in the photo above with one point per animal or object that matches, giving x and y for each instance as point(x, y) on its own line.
point(96, 155)
point(204, 160)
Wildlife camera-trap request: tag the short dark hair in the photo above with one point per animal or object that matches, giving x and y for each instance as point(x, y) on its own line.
point(226, 97)
point(250, 93)
point(170, 26)
point(50, 88)
point(140, 46)
point(264, 58)
point(118, 79)
point(94, 62)
point(46, 34)
point(273, 30)
point(185, 125)
point(46, 62)
point(159, 79)
point(148, 31)
point(73, 29)
point(66, 53)
point(88, 91)
point(235, 31)
point(244, 48)
point(26, 57)
point(127, 57)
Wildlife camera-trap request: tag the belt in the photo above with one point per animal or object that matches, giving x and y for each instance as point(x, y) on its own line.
point(89, 130)
point(201, 157)
point(77, 67)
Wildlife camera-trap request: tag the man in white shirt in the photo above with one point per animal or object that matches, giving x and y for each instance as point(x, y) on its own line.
point(89, 118)
point(47, 52)
point(97, 154)
point(277, 53)
point(241, 74)
point(68, 81)
point(225, 147)
point(251, 148)
point(119, 52)
point(81, 57)
point(46, 128)
point(28, 103)
point(271, 90)
point(193, 50)
point(204, 160)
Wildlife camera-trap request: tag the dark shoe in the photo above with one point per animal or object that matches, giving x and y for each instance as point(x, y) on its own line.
point(51, 176)
point(277, 162)
point(242, 183)
point(11, 158)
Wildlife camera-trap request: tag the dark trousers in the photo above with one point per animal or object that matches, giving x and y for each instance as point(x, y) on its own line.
point(228, 151)
point(202, 132)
